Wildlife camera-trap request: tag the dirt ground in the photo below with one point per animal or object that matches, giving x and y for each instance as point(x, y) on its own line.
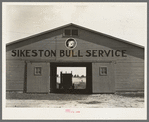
point(51, 100)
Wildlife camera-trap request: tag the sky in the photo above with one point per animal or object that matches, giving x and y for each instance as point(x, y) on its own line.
point(127, 21)
point(75, 70)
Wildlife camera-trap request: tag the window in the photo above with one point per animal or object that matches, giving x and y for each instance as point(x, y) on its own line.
point(103, 71)
point(75, 32)
point(37, 71)
point(71, 32)
point(67, 32)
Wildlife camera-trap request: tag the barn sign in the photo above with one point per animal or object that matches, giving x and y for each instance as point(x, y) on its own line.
point(68, 53)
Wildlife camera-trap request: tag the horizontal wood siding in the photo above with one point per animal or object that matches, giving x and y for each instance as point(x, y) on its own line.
point(35, 83)
point(129, 71)
point(129, 76)
point(103, 83)
point(15, 75)
point(85, 41)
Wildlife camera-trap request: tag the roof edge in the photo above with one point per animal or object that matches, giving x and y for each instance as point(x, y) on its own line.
point(110, 36)
point(93, 31)
point(38, 34)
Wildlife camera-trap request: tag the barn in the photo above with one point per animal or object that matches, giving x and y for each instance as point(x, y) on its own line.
point(111, 64)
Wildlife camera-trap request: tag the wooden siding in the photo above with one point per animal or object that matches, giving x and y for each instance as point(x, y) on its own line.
point(85, 41)
point(38, 84)
point(129, 76)
point(105, 83)
point(129, 71)
point(15, 75)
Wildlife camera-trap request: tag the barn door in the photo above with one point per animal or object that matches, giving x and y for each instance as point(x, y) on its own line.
point(38, 77)
point(103, 77)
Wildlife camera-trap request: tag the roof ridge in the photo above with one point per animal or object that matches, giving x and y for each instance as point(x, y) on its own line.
point(72, 24)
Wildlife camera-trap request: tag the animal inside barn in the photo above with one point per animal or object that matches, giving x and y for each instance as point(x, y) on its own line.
point(111, 64)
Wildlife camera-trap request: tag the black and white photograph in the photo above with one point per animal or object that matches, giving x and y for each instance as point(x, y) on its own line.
point(74, 60)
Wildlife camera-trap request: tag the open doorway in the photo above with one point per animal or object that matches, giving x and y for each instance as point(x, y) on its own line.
point(72, 77)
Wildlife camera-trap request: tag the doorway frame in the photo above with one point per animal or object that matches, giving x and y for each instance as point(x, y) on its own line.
point(53, 72)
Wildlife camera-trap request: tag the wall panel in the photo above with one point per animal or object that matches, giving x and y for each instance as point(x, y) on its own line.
point(129, 76)
point(15, 75)
point(105, 83)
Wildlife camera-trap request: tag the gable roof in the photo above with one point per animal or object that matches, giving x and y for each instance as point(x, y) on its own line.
point(64, 26)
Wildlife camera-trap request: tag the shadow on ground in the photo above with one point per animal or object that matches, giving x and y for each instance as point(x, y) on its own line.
point(54, 96)
point(90, 102)
point(50, 96)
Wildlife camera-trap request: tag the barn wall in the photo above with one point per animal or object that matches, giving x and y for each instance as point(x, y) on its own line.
point(129, 76)
point(129, 71)
point(85, 41)
point(15, 75)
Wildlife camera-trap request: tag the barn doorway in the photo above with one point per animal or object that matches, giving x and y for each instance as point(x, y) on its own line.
point(71, 78)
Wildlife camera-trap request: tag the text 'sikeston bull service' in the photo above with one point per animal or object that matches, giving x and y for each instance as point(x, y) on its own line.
point(70, 44)
point(68, 53)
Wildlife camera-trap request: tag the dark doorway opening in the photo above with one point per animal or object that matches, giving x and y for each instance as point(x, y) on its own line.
point(73, 78)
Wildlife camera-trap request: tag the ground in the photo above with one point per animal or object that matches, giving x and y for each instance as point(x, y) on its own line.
point(117, 100)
